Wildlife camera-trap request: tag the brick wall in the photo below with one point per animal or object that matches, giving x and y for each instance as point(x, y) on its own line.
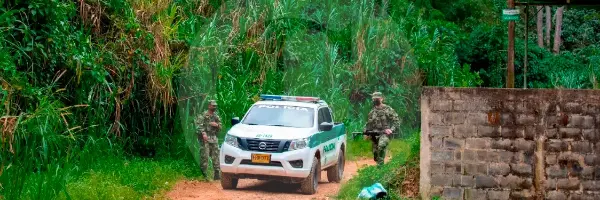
point(480, 143)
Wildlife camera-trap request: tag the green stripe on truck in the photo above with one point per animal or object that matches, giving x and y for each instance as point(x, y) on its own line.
point(324, 136)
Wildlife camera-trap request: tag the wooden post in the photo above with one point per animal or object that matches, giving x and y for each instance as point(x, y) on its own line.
point(510, 70)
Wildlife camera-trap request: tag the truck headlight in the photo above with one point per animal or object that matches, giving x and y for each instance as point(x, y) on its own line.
point(298, 144)
point(232, 140)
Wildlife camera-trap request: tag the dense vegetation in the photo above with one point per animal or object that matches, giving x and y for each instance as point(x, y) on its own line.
point(89, 85)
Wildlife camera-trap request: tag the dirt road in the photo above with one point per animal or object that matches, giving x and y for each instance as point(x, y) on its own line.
point(256, 190)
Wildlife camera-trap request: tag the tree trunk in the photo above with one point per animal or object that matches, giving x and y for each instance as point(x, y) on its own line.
point(540, 26)
point(548, 24)
point(557, 31)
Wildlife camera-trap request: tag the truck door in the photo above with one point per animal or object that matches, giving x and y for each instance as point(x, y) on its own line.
point(328, 138)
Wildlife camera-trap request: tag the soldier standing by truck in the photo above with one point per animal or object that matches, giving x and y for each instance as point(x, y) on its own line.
point(384, 121)
point(208, 126)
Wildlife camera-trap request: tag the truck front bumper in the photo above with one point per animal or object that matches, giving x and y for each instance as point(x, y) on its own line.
point(280, 167)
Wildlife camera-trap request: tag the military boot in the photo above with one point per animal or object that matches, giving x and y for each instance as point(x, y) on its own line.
point(375, 155)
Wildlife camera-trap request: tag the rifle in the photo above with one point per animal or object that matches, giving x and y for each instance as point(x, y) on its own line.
point(371, 134)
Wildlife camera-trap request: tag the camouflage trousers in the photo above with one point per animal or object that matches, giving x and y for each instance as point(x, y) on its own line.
point(210, 151)
point(380, 144)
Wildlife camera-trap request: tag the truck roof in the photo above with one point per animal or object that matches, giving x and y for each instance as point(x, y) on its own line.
point(292, 103)
point(310, 102)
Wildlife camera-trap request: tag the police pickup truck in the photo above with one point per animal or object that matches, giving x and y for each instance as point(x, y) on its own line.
point(286, 138)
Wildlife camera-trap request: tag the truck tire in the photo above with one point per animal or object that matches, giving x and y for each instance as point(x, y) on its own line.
point(310, 184)
point(228, 182)
point(336, 173)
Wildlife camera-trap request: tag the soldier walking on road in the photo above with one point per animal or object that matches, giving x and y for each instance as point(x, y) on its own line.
point(208, 126)
point(383, 120)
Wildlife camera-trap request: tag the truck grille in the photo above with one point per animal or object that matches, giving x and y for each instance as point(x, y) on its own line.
point(270, 145)
point(273, 163)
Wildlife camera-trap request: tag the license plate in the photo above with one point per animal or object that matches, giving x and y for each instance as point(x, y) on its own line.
point(261, 158)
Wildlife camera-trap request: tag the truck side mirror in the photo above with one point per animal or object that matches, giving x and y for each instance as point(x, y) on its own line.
point(235, 121)
point(325, 126)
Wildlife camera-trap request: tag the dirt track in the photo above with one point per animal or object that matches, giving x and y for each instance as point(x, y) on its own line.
point(255, 189)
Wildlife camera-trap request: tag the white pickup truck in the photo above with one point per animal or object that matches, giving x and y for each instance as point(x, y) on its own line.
point(285, 138)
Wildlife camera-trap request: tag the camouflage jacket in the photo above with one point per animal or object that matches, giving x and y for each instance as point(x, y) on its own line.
point(383, 118)
point(203, 125)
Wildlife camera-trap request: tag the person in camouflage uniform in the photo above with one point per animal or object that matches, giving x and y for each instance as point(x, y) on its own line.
point(208, 126)
point(383, 120)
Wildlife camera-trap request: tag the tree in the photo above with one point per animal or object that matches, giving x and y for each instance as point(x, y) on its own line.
point(548, 24)
point(540, 26)
point(557, 40)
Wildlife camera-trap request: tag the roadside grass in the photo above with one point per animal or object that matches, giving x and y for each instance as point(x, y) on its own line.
point(137, 178)
point(101, 170)
point(404, 161)
point(360, 148)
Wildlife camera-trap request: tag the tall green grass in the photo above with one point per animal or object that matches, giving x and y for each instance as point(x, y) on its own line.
point(336, 50)
point(85, 98)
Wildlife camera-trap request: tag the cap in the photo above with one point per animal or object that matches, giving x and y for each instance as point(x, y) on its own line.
point(212, 102)
point(377, 95)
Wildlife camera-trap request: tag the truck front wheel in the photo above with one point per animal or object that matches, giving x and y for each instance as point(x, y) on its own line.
point(228, 182)
point(310, 184)
point(336, 173)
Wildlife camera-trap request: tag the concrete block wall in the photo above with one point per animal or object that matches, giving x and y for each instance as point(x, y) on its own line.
point(481, 143)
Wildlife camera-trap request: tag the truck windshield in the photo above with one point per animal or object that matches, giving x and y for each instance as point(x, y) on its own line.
point(279, 115)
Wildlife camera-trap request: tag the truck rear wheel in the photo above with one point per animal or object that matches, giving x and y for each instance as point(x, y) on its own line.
point(310, 184)
point(336, 173)
point(228, 182)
